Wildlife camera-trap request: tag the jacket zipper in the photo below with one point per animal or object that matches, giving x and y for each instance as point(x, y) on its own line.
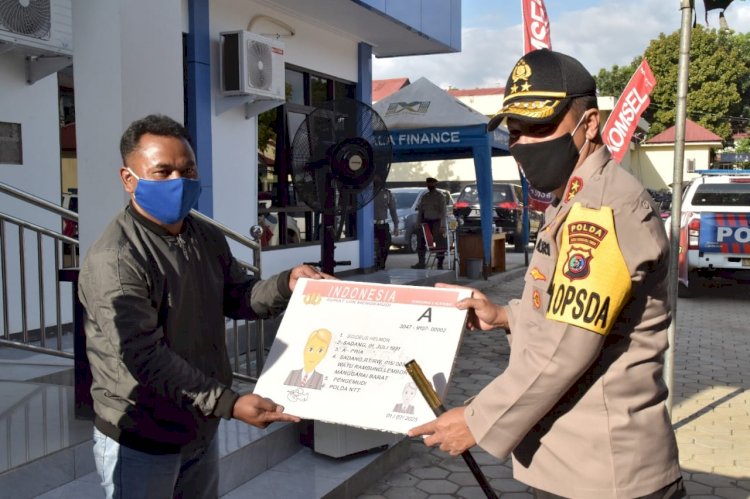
point(183, 246)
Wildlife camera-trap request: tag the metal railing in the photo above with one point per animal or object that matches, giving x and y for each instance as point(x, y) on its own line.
point(240, 333)
point(49, 244)
point(247, 354)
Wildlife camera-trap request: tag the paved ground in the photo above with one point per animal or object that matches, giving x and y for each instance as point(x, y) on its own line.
point(711, 411)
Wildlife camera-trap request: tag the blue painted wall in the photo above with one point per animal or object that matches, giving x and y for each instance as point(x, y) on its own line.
point(198, 98)
point(365, 215)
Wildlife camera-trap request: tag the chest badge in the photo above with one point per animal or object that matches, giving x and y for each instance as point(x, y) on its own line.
point(578, 265)
point(537, 299)
point(537, 274)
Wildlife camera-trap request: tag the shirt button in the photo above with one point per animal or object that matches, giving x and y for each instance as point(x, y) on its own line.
point(470, 411)
point(645, 205)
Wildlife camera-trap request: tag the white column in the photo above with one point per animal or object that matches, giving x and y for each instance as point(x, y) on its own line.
point(128, 64)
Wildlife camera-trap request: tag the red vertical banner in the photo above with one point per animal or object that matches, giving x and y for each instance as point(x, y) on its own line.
point(624, 118)
point(535, 36)
point(535, 26)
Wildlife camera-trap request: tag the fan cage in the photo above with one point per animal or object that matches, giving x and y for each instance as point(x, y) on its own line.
point(33, 20)
point(319, 136)
point(259, 65)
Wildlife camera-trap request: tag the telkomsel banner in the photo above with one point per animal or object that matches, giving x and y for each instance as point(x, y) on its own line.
point(535, 26)
point(624, 118)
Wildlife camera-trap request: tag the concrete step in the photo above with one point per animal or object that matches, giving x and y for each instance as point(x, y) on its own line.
point(245, 452)
point(309, 475)
point(267, 463)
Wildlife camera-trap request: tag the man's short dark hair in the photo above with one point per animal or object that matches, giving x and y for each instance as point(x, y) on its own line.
point(580, 105)
point(155, 124)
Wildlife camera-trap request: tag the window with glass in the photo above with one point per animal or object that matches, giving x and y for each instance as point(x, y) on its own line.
point(285, 219)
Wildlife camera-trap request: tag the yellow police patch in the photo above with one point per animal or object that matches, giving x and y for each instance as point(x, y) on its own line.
point(591, 282)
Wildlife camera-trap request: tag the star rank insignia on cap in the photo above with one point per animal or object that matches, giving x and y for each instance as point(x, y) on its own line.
point(522, 72)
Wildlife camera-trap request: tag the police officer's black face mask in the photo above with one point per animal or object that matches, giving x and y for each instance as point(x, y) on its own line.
point(547, 165)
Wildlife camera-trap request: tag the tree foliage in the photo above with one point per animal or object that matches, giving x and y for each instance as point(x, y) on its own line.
point(613, 81)
point(718, 81)
point(742, 146)
point(266, 129)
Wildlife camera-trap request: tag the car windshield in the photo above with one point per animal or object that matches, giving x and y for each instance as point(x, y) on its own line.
point(722, 195)
point(404, 199)
point(500, 193)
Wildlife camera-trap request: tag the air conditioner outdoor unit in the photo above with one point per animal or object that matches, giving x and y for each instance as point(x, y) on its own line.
point(252, 64)
point(37, 27)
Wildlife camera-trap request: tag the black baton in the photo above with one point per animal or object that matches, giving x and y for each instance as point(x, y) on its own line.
point(431, 396)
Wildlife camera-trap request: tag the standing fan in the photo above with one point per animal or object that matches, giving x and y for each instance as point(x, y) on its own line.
point(340, 156)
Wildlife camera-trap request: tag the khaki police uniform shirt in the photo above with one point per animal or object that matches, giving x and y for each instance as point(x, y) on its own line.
point(384, 203)
point(582, 402)
point(432, 207)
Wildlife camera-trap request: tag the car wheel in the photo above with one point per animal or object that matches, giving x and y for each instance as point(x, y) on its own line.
point(518, 240)
point(685, 291)
point(691, 290)
point(412, 246)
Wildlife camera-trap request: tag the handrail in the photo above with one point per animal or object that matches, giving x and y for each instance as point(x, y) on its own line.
point(18, 334)
point(38, 228)
point(259, 325)
point(20, 337)
point(236, 236)
point(227, 231)
point(37, 201)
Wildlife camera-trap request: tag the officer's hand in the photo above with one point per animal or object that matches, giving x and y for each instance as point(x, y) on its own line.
point(483, 314)
point(306, 271)
point(395, 231)
point(449, 431)
point(442, 231)
point(259, 411)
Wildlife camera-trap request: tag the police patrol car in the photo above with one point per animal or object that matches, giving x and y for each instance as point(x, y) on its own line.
point(714, 228)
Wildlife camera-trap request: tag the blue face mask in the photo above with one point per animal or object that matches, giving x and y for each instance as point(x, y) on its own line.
point(168, 201)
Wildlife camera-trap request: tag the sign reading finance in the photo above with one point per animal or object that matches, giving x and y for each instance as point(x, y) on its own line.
point(340, 351)
point(419, 138)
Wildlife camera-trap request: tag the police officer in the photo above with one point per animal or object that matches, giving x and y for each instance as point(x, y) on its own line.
point(431, 210)
point(581, 405)
point(384, 204)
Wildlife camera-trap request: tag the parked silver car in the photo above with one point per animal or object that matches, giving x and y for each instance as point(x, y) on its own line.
point(407, 199)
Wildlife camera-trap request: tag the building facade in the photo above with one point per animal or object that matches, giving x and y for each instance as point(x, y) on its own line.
point(137, 57)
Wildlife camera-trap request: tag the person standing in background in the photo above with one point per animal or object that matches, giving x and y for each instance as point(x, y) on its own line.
point(384, 204)
point(431, 211)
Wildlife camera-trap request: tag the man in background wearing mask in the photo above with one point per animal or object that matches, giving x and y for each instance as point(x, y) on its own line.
point(156, 286)
point(581, 405)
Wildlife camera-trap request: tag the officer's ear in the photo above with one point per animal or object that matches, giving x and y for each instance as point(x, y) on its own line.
point(590, 123)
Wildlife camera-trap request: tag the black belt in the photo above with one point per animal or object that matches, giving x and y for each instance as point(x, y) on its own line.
point(380, 222)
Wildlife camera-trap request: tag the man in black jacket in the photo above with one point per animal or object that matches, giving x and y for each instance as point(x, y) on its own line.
point(156, 287)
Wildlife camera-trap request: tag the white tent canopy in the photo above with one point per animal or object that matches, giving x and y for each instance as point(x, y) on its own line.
point(426, 123)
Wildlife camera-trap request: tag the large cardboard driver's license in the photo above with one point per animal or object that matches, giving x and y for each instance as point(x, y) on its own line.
point(340, 351)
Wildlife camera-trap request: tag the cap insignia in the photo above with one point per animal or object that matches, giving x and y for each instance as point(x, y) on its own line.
point(522, 71)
